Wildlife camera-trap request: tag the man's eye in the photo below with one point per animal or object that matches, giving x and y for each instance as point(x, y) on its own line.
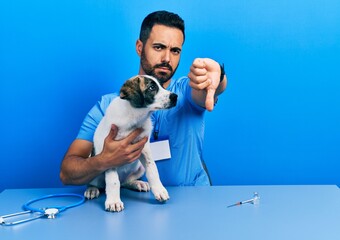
point(176, 52)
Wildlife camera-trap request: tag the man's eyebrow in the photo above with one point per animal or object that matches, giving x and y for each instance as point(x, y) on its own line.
point(159, 45)
point(164, 46)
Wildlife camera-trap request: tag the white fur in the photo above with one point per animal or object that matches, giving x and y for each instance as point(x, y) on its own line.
point(127, 118)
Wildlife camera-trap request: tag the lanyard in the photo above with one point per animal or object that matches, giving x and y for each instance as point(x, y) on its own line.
point(157, 124)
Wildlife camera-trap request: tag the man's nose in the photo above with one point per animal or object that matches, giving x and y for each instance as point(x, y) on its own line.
point(166, 56)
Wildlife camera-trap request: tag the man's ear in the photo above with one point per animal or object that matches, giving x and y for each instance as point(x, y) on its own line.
point(139, 47)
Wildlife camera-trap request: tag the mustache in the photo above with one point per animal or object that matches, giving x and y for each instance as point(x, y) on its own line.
point(167, 65)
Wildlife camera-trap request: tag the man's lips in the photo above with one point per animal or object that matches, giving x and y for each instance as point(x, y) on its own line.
point(164, 68)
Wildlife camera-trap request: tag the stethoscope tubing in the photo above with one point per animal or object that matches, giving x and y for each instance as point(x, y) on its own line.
point(27, 206)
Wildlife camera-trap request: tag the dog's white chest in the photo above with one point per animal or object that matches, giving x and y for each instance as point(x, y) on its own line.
point(126, 118)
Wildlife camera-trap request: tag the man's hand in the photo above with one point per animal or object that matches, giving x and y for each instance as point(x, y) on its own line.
point(205, 75)
point(119, 152)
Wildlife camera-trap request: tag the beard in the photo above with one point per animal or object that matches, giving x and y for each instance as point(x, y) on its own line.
point(162, 77)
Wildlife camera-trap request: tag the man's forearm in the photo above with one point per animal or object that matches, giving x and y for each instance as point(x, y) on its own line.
point(76, 170)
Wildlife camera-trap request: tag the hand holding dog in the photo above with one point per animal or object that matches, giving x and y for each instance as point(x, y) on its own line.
point(119, 152)
point(205, 75)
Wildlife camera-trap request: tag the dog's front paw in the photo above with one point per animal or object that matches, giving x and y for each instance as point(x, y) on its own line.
point(160, 193)
point(114, 206)
point(91, 193)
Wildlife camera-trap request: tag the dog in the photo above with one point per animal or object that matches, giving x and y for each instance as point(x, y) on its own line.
point(139, 97)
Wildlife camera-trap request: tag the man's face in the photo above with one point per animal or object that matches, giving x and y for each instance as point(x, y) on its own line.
point(161, 53)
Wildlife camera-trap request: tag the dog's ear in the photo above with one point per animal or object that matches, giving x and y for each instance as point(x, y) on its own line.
point(126, 89)
point(123, 93)
point(132, 92)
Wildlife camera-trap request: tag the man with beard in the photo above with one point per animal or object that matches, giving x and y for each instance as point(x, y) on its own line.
point(159, 46)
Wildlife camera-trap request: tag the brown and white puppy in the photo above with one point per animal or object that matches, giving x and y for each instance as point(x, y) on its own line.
point(139, 97)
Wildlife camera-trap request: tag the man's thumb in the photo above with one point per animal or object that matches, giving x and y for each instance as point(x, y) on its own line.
point(209, 101)
point(113, 132)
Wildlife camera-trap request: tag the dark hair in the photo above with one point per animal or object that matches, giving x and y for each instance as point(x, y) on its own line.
point(165, 18)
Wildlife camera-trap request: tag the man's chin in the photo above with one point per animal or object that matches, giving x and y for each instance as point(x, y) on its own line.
point(162, 77)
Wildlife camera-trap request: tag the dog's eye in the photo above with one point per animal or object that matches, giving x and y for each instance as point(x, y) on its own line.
point(152, 88)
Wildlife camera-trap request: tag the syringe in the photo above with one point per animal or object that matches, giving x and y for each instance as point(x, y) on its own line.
point(254, 200)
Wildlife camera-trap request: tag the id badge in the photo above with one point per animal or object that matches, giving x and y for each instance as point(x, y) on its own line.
point(160, 149)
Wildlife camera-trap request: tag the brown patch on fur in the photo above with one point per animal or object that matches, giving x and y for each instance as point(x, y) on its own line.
point(128, 87)
point(131, 91)
point(142, 84)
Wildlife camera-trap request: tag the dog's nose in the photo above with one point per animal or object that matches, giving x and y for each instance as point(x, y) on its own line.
point(173, 98)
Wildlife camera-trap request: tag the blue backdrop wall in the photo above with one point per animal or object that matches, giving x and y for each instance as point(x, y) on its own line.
point(277, 123)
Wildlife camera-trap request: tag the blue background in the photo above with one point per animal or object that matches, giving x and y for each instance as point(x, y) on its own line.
point(277, 123)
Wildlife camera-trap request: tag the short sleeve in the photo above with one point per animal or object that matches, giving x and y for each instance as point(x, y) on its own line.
point(93, 117)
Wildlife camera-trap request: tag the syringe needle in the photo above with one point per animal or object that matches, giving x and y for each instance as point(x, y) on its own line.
point(235, 204)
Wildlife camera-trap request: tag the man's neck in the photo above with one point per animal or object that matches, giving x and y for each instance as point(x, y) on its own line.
point(166, 84)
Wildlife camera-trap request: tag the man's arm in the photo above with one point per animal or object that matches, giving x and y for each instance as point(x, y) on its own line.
point(205, 81)
point(79, 168)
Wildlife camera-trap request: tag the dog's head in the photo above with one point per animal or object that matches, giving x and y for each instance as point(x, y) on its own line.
point(143, 91)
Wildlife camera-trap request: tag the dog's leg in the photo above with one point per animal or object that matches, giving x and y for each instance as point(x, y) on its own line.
point(157, 188)
point(133, 183)
point(113, 202)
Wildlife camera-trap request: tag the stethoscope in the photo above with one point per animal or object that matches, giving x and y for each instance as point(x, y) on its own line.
point(49, 212)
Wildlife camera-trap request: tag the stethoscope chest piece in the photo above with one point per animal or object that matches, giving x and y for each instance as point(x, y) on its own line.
point(51, 212)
